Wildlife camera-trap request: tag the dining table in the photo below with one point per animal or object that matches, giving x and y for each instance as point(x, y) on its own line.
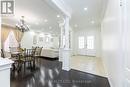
point(18, 57)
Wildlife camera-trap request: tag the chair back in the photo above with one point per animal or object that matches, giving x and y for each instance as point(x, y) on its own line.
point(28, 54)
point(2, 53)
point(34, 47)
point(38, 51)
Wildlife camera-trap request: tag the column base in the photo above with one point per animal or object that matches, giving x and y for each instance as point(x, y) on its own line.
point(66, 59)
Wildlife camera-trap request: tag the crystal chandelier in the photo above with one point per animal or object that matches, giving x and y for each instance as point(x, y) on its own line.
point(21, 25)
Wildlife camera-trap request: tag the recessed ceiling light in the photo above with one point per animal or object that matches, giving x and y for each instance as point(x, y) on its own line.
point(85, 9)
point(92, 22)
point(50, 27)
point(58, 16)
point(37, 23)
point(75, 25)
point(45, 20)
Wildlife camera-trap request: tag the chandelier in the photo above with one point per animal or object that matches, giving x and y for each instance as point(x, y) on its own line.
point(21, 25)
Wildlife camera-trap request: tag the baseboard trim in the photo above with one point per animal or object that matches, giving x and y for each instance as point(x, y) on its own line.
point(111, 85)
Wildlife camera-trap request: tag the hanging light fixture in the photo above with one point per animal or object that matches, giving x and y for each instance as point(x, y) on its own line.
point(21, 25)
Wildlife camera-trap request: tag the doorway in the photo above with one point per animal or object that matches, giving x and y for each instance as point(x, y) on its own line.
point(86, 45)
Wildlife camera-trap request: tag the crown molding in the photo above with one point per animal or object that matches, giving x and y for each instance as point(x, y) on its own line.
point(61, 5)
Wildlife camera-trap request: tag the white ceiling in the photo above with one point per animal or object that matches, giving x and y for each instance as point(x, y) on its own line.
point(36, 11)
point(83, 19)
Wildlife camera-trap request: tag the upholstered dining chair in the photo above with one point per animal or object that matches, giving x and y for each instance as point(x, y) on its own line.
point(2, 53)
point(34, 48)
point(15, 57)
point(38, 53)
point(28, 58)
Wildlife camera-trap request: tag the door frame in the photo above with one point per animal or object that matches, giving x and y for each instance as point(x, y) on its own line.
point(85, 51)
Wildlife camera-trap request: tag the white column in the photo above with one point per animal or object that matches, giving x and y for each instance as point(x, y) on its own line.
point(67, 30)
point(61, 25)
point(66, 50)
point(62, 35)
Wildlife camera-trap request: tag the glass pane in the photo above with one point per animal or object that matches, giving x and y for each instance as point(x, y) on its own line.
point(81, 42)
point(90, 42)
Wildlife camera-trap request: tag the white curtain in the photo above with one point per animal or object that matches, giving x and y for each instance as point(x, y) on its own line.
point(10, 42)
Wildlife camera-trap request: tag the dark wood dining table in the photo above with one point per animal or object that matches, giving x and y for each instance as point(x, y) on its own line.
point(19, 55)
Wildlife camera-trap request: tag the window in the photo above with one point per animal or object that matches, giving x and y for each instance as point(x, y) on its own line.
point(10, 42)
point(90, 42)
point(47, 39)
point(81, 42)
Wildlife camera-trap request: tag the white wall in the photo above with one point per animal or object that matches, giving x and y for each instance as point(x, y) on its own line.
point(94, 30)
point(0, 33)
point(55, 43)
point(27, 41)
point(126, 40)
point(112, 43)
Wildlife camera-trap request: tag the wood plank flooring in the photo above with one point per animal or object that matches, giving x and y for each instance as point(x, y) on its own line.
point(50, 74)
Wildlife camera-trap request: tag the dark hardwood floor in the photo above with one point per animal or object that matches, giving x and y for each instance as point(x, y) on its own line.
point(50, 74)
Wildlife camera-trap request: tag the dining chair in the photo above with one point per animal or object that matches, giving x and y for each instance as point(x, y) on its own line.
point(2, 53)
point(14, 57)
point(38, 53)
point(34, 48)
point(13, 51)
point(28, 57)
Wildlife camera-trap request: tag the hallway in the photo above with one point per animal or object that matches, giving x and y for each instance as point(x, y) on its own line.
point(88, 64)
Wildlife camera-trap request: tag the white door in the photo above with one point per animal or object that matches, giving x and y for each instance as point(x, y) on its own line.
point(91, 46)
point(86, 45)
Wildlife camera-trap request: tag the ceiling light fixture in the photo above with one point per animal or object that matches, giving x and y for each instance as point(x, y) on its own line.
point(50, 27)
point(58, 16)
point(45, 20)
point(21, 25)
point(92, 22)
point(75, 25)
point(85, 9)
point(37, 23)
